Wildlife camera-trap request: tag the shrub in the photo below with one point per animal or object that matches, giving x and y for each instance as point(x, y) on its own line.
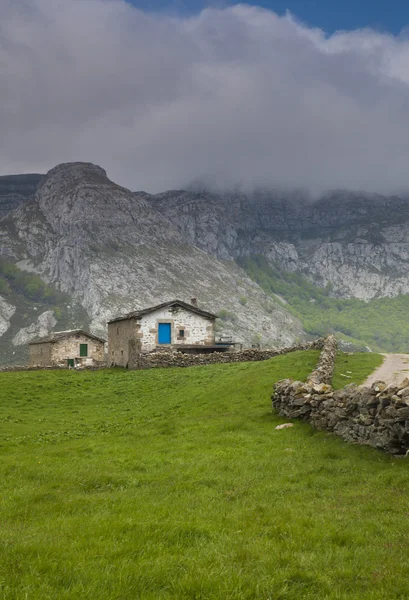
point(226, 315)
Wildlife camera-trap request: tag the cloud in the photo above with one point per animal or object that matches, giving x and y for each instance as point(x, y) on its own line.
point(236, 95)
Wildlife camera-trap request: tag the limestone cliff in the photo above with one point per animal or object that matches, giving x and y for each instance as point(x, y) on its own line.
point(358, 243)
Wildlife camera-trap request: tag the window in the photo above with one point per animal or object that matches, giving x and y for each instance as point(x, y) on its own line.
point(181, 333)
point(83, 349)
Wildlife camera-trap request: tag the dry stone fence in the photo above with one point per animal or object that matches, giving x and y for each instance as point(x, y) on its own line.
point(377, 416)
point(162, 359)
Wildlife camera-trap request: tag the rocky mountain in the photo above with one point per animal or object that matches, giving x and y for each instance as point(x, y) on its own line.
point(103, 250)
point(355, 242)
point(87, 249)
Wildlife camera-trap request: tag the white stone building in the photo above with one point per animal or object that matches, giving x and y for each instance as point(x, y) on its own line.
point(174, 324)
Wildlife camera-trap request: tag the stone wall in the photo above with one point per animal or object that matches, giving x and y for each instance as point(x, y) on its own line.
point(178, 359)
point(377, 416)
point(119, 334)
point(163, 359)
point(40, 355)
point(326, 363)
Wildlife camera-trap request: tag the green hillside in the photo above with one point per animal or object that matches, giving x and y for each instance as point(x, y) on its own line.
point(382, 324)
point(32, 296)
point(174, 484)
point(30, 286)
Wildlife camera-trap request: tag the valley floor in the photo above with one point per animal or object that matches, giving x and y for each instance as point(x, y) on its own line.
point(174, 484)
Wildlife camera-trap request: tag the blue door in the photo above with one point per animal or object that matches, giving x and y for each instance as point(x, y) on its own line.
point(164, 333)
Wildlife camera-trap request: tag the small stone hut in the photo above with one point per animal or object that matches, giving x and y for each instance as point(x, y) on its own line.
point(175, 324)
point(67, 349)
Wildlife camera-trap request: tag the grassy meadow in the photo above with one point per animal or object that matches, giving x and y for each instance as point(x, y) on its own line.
point(174, 484)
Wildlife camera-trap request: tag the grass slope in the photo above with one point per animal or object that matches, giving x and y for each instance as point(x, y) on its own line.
point(381, 323)
point(354, 368)
point(174, 484)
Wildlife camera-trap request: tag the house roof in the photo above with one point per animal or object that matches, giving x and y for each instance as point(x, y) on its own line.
point(60, 335)
point(137, 314)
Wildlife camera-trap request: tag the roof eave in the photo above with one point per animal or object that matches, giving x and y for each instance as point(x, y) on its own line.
point(147, 311)
point(124, 318)
point(46, 339)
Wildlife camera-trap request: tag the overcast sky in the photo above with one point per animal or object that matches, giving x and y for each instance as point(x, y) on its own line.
point(230, 96)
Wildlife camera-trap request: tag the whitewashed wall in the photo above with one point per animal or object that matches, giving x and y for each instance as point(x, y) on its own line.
point(198, 330)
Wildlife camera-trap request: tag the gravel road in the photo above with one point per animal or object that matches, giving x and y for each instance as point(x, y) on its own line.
point(394, 369)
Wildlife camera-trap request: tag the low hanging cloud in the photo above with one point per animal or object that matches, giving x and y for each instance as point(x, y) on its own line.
point(231, 96)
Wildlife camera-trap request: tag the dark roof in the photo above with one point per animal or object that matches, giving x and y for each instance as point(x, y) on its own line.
point(60, 335)
point(137, 314)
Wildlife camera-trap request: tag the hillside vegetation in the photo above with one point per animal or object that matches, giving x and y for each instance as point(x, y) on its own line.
point(380, 323)
point(174, 484)
point(32, 296)
point(28, 285)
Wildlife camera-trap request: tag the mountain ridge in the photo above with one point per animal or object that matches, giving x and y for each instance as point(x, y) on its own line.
point(112, 250)
point(360, 249)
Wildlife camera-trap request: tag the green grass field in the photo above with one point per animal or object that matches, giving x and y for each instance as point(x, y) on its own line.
point(174, 484)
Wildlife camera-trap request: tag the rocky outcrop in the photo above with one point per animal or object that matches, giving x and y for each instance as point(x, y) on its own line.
point(7, 310)
point(42, 327)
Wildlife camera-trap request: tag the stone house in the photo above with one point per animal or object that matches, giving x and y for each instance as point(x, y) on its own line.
point(174, 324)
point(67, 349)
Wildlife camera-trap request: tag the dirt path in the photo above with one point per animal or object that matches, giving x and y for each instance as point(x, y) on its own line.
point(394, 369)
